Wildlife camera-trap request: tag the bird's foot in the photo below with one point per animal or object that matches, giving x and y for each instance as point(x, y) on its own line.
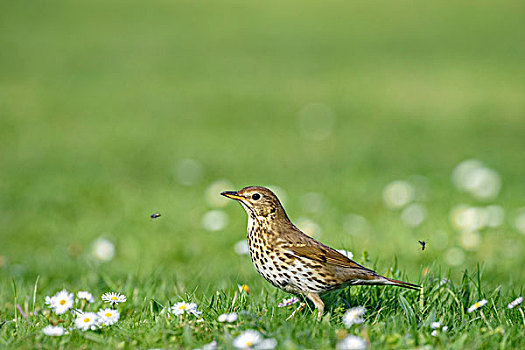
point(300, 308)
point(319, 305)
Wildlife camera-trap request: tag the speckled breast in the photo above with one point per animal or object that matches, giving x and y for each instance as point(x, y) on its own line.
point(289, 273)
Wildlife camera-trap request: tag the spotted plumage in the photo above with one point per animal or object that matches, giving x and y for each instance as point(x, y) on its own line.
point(293, 261)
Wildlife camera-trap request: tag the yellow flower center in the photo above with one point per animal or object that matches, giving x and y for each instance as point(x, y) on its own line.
point(113, 298)
point(107, 314)
point(87, 319)
point(182, 307)
point(62, 302)
point(248, 343)
point(476, 305)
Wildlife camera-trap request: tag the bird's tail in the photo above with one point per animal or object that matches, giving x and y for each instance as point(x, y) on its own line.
point(377, 280)
point(393, 282)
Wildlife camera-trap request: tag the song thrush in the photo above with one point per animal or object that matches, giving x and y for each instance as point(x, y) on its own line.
point(292, 260)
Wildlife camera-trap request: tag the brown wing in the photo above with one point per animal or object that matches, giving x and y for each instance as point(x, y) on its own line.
point(322, 254)
point(305, 246)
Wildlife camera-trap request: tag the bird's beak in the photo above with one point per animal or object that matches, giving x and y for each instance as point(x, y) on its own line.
point(232, 195)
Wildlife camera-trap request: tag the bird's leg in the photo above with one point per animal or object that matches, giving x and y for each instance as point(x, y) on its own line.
point(300, 308)
point(319, 305)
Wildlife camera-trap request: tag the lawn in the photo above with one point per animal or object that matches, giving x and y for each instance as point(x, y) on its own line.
point(111, 111)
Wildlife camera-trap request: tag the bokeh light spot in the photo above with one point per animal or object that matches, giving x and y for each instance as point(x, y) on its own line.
point(454, 256)
point(473, 177)
point(241, 247)
point(214, 220)
point(213, 193)
point(356, 225)
point(310, 227)
point(397, 194)
point(470, 240)
point(102, 249)
point(414, 215)
point(188, 172)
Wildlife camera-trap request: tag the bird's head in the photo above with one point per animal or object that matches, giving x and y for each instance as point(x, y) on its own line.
point(258, 201)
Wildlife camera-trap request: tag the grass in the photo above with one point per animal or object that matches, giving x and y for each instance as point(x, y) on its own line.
point(395, 318)
point(100, 101)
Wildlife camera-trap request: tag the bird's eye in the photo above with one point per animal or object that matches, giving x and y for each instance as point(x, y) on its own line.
point(256, 196)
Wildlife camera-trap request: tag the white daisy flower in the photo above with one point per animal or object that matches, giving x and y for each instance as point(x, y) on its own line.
point(49, 300)
point(247, 339)
point(351, 342)
point(210, 346)
point(184, 307)
point(86, 320)
point(113, 298)
point(87, 296)
point(227, 317)
point(107, 317)
point(60, 302)
point(515, 303)
point(243, 288)
point(353, 316)
point(53, 331)
point(267, 344)
point(346, 253)
point(477, 305)
point(436, 326)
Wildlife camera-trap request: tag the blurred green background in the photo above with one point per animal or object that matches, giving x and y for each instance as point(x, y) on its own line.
point(101, 101)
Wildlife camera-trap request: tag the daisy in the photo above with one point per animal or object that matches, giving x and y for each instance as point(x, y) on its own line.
point(351, 342)
point(184, 307)
point(227, 317)
point(86, 320)
point(353, 316)
point(435, 325)
point(267, 344)
point(87, 296)
point(60, 302)
point(113, 298)
point(210, 346)
point(107, 317)
point(288, 302)
point(49, 300)
point(53, 331)
point(247, 339)
point(346, 253)
point(243, 288)
point(515, 303)
point(477, 305)
point(443, 281)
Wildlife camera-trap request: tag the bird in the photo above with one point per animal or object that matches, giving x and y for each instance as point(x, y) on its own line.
point(293, 261)
point(423, 244)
